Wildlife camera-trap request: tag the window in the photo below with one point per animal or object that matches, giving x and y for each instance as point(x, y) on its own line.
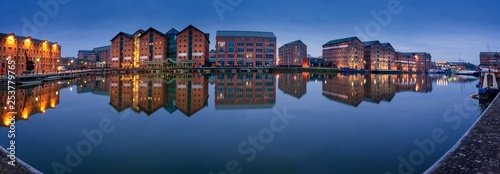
point(221, 44)
point(241, 50)
point(269, 56)
point(241, 56)
point(259, 50)
point(230, 56)
point(231, 50)
point(250, 50)
point(272, 39)
point(230, 44)
point(221, 50)
point(249, 44)
point(258, 56)
point(259, 44)
point(241, 44)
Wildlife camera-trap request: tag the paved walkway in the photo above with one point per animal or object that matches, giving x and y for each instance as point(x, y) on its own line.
point(20, 168)
point(479, 150)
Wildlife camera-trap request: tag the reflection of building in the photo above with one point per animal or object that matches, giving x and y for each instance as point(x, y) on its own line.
point(191, 94)
point(43, 55)
point(345, 89)
point(30, 101)
point(413, 82)
point(245, 91)
point(245, 48)
point(345, 53)
point(292, 53)
point(379, 88)
point(293, 84)
point(148, 93)
point(94, 84)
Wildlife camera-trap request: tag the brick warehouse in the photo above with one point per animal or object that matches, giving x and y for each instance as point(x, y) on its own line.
point(345, 53)
point(292, 54)
point(42, 54)
point(245, 48)
point(154, 49)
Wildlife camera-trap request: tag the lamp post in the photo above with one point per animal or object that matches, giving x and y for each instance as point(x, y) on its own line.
point(38, 64)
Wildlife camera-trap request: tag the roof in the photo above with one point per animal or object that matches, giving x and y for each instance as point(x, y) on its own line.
point(341, 40)
point(207, 36)
point(123, 33)
point(386, 44)
point(86, 51)
point(489, 53)
point(370, 43)
point(295, 42)
point(172, 31)
point(245, 33)
point(103, 48)
point(23, 38)
point(151, 29)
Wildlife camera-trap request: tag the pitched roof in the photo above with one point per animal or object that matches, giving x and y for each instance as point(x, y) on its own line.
point(103, 48)
point(86, 51)
point(340, 40)
point(245, 33)
point(172, 31)
point(24, 37)
point(295, 42)
point(370, 43)
point(489, 53)
point(151, 29)
point(123, 33)
point(207, 36)
point(386, 44)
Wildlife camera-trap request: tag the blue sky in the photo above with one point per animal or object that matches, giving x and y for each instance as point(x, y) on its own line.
point(444, 28)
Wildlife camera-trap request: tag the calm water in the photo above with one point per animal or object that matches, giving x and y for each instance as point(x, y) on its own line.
point(253, 123)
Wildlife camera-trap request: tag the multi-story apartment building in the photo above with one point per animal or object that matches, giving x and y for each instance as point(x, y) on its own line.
point(373, 55)
point(153, 48)
point(122, 50)
point(490, 60)
point(245, 48)
point(192, 47)
point(405, 62)
point(28, 53)
point(245, 91)
point(292, 54)
point(388, 56)
point(345, 53)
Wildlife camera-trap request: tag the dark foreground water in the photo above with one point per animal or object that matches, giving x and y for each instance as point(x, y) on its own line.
point(241, 123)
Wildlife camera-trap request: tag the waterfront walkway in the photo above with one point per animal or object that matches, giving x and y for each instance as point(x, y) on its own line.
point(20, 168)
point(479, 149)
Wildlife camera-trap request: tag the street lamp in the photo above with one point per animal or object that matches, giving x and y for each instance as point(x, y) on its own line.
point(38, 64)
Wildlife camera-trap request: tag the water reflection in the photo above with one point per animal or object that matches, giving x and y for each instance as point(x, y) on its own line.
point(245, 91)
point(189, 93)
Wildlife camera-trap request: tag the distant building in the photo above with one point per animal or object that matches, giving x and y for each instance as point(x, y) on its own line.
point(31, 55)
point(345, 53)
point(97, 57)
point(103, 56)
point(405, 62)
point(373, 55)
point(245, 48)
point(292, 54)
point(192, 47)
point(490, 60)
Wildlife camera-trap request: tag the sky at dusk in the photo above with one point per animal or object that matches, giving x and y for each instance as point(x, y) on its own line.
point(443, 28)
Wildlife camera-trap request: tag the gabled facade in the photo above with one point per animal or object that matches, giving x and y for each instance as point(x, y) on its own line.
point(152, 48)
point(192, 47)
point(388, 56)
point(122, 50)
